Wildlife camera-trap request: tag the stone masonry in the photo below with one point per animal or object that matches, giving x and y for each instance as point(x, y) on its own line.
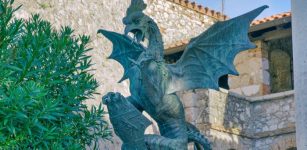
point(236, 122)
point(253, 66)
point(177, 22)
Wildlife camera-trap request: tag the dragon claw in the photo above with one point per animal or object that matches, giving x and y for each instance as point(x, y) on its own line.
point(114, 100)
point(128, 123)
point(107, 98)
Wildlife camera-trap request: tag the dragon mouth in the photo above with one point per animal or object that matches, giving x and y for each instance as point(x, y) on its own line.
point(138, 34)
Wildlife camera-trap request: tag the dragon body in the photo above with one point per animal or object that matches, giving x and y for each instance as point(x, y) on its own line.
point(153, 83)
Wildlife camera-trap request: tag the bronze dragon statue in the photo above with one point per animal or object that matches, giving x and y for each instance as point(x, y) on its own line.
point(153, 83)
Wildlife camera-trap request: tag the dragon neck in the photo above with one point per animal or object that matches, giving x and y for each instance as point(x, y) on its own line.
point(155, 42)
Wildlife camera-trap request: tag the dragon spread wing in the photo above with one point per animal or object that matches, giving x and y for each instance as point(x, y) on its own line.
point(210, 55)
point(125, 50)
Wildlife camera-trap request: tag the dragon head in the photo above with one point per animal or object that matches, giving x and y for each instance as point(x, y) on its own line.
point(137, 23)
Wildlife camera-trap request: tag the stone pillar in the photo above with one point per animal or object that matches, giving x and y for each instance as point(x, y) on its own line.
point(299, 26)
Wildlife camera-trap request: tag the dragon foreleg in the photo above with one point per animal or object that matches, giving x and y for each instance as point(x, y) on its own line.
point(128, 122)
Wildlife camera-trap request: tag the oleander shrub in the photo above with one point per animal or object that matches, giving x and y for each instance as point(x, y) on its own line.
point(44, 81)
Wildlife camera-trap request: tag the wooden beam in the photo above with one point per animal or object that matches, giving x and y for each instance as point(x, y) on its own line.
point(273, 35)
point(269, 24)
point(277, 34)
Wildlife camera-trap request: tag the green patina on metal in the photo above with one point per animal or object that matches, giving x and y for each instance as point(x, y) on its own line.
point(153, 83)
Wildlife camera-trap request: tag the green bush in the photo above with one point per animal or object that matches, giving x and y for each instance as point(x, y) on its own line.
point(44, 81)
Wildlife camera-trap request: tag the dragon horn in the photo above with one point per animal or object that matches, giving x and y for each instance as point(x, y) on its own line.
point(136, 6)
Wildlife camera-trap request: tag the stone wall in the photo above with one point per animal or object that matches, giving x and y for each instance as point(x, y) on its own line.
point(253, 66)
point(273, 112)
point(236, 122)
point(220, 116)
point(176, 22)
point(280, 142)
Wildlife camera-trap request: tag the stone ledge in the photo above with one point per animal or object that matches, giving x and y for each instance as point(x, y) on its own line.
point(269, 97)
point(234, 131)
point(275, 96)
point(287, 130)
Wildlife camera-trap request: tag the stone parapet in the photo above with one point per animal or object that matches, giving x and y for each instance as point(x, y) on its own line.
point(249, 120)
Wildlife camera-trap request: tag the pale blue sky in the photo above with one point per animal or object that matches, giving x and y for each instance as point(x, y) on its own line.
point(234, 8)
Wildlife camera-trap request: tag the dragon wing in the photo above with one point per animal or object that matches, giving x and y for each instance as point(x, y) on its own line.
point(125, 50)
point(210, 55)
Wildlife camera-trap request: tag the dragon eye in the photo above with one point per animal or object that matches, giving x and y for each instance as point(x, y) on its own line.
point(136, 20)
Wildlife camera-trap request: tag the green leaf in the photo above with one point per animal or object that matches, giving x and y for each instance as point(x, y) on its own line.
point(14, 68)
point(21, 115)
point(5, 121)
point(1, 9)
point(40, 126)
point(48, 117)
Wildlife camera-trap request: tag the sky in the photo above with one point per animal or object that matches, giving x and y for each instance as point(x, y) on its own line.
point(234, 8)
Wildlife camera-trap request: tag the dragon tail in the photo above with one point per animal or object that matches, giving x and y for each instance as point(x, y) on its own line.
point(200, 141)
point(156, 142)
